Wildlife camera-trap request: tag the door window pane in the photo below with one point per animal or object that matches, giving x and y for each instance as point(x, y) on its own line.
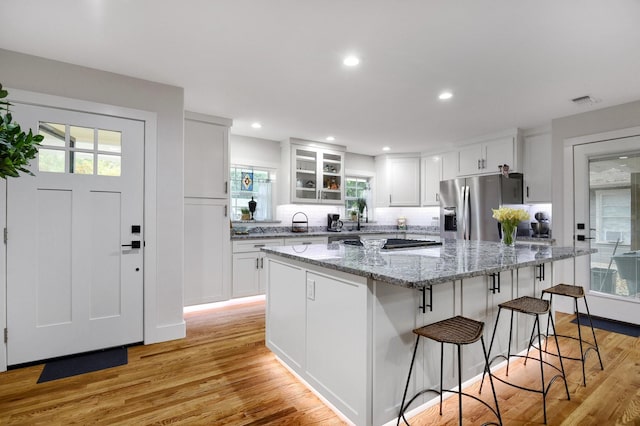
point(54, 134)
point(108, 165)
point(82, 163)
point(81, 137)
point(50, 160)
point(109, 141)
point(614, 204)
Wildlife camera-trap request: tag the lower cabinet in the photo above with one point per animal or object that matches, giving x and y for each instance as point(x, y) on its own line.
point(206, 251)
point(248, 266)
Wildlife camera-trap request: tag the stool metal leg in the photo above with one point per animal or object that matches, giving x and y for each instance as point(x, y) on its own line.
point(441, 368)
point(493, 389)
point(406, 388)
point(459, 387)
point(595, 342)
point(544, 394)
point(582, 354)
point(564, 376)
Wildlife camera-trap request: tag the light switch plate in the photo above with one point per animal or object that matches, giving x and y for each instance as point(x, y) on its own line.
point(311, 290)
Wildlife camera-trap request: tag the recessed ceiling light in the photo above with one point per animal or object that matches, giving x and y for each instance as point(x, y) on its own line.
point(624, 157)
point(445, 95)
point(330, 138)
point(256, 125)
point(351, 61)
point(386, 148)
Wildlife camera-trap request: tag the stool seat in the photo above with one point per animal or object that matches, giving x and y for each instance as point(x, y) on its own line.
point(574, 291)
point(457, 330)
point(527, 305)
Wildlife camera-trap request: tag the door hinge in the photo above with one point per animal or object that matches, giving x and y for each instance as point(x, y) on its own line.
point(6, 235)
point(6, 335)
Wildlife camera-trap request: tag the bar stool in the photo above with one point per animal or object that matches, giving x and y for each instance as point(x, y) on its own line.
point(575, 292)
point(535, 307)
point(457, 331)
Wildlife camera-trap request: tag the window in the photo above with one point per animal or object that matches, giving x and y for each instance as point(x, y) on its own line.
point(79, 150)
point(248, 182)
point(357, 188)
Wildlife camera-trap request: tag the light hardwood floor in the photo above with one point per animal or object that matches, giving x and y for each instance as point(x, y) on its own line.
point(222, 373)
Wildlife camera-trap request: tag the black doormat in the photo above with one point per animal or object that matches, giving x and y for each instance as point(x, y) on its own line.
point(610, 325)
point(83, 363)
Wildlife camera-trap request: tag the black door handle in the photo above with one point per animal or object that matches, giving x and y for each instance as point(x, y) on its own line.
point(134, 244)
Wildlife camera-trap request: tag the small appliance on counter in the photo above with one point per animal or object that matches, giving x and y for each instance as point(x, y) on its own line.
point(334, 224)
point(299, 225)
point(541, 227)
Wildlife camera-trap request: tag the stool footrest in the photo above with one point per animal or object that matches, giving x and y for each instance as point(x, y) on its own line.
point(458, 392)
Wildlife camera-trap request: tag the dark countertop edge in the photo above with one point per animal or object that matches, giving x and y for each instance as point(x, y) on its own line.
point(428, 282)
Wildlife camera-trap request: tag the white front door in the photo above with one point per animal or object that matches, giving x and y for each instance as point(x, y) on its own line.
point(607, 218)
point(74, 274)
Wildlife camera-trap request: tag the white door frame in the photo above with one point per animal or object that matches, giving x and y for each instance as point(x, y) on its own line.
point(569, 213)
point(150, 213)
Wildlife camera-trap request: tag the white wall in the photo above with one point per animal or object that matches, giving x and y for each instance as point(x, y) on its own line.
point(163, 315)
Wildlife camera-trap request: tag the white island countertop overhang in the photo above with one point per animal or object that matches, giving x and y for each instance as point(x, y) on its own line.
point(420, 267)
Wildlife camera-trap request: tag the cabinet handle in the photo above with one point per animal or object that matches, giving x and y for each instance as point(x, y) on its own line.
point(389, 198)
point(226, 187)
point(437, 196)
point(306, 243)
point(259, 245)
point(262, 263)
point(527, 192)
point(478, 164)
point(257, 263)
point(225, 210)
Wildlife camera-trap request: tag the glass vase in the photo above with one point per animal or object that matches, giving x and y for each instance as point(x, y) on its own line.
point(509, 234)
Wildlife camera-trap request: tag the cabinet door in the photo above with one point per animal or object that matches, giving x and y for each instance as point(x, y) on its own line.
point(449, 165)
point(206, 161)
point(499, 152)
point(432, 168)
point(246, 274)
point(404, 181)
point(331, 174)
point(537, 168)
point(470, 159)
point(304, 172)
point(207, 251)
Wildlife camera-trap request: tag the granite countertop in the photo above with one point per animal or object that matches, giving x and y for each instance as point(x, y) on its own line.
point(321, 231)
point(416, 268)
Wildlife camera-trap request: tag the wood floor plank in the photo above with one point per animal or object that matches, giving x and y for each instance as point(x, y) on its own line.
point(222, 374)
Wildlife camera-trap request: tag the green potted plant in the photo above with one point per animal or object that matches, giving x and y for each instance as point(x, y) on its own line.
point(362, 204)
point(246, 214)
point(17, 148)
point(353, 214)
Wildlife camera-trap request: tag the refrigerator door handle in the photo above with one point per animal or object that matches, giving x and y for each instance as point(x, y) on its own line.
point(465, 212)
point(467, 217)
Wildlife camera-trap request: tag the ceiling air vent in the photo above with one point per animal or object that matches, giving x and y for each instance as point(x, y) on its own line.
point(585, 100)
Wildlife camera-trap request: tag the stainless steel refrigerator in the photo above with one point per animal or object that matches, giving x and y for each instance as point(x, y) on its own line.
point(466, 203)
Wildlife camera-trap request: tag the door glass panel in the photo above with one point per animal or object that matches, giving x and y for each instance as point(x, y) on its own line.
point(54, 134)
point(82, 163)
point(50, 160)
point(108, 165)
point(81, 137)
point(614, 208)
point(109, 141)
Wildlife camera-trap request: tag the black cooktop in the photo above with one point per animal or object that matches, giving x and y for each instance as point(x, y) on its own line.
point(397, 243)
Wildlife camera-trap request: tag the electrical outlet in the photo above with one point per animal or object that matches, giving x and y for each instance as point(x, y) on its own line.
point(311, 290)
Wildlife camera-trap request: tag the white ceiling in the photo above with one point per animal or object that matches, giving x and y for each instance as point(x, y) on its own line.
point(509, 63)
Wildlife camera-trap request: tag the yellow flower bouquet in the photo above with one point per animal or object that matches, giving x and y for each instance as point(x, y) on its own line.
point(509, 219)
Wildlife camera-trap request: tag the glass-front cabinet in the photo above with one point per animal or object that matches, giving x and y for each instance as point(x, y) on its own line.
point(318, 175)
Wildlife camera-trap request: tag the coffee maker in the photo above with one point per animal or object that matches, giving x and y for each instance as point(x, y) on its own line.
point(334, 224)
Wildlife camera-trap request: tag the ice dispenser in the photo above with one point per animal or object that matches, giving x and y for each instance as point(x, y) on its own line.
point(450, 223)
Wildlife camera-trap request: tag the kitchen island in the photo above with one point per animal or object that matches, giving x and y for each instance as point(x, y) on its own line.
point(345, 327)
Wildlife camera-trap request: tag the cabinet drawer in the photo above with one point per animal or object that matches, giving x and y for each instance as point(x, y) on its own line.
point(304, 241)
point(245, 246)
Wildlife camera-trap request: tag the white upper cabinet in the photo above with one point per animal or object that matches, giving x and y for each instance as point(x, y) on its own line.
point(206, 156)
point(486, 157)
point(397, 181)
point(431, 177)
point(449, 165)
point(316, 172)
point(537, 168)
